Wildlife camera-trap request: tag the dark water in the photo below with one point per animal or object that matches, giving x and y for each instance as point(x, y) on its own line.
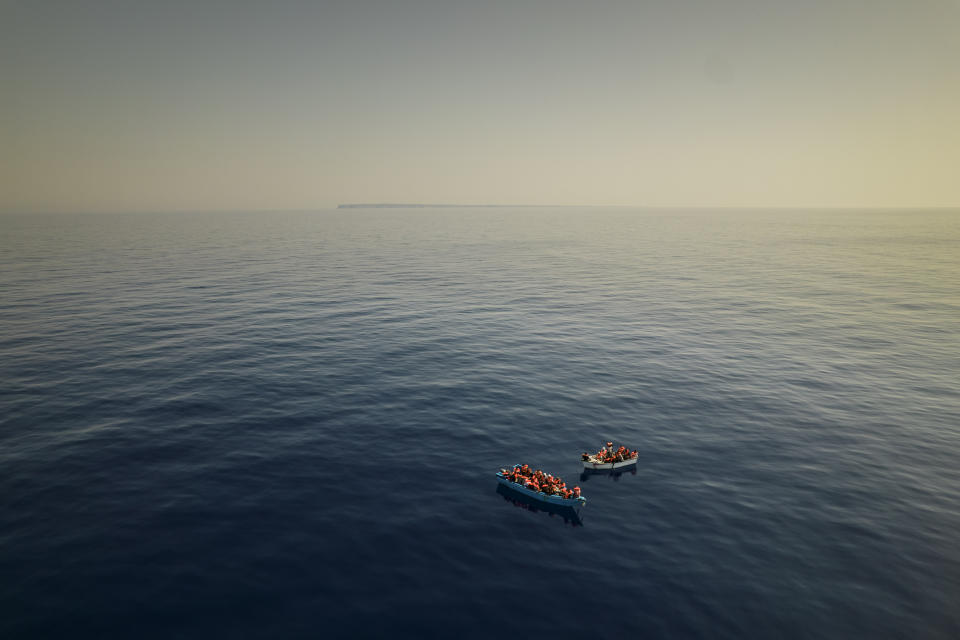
point(238, 425)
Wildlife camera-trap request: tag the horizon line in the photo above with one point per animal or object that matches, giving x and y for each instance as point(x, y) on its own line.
point(27, 211)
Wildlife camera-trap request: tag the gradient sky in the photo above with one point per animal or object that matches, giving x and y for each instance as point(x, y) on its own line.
point(129, 106)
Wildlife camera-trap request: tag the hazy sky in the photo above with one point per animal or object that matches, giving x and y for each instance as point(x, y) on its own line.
point(222, 105)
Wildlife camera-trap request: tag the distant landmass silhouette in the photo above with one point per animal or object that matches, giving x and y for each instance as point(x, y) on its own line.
point(418, 205)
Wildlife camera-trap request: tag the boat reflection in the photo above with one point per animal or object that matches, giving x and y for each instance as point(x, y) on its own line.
point(568, 514)
point(615, 475)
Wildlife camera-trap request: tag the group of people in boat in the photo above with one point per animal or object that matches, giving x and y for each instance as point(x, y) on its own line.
point(540, 481)
point(608, 454)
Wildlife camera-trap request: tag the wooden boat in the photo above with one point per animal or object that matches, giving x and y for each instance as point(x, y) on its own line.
point(613, 474)
point(598, 463)
point(570, 515)
point(539, 495)
point(592, 462)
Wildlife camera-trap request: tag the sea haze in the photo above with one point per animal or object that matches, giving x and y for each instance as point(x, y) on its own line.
point(288, 424)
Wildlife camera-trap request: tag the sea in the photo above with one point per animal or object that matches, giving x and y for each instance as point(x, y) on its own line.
point(288, 424)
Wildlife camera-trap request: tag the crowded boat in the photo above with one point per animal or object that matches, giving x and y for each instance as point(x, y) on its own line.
point(536, 483)
point(609, 457)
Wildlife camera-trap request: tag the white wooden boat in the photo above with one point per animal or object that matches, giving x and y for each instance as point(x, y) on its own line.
point(539, 495)
point(593, 462)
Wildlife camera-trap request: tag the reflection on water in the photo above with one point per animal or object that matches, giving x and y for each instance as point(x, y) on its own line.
point(614, 475)
point(569, 515)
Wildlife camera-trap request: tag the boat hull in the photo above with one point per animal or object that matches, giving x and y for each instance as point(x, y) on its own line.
point(591, 464)
point(542, 497)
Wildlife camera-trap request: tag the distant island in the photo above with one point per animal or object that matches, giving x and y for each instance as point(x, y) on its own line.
point(395, 205)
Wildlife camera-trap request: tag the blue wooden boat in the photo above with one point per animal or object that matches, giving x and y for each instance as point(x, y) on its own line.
point(570, 515)
point(539, 495)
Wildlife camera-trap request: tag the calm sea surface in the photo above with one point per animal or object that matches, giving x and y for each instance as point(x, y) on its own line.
point(287, 424)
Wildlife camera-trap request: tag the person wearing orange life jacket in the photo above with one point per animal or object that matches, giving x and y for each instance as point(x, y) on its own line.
point(576, 492)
